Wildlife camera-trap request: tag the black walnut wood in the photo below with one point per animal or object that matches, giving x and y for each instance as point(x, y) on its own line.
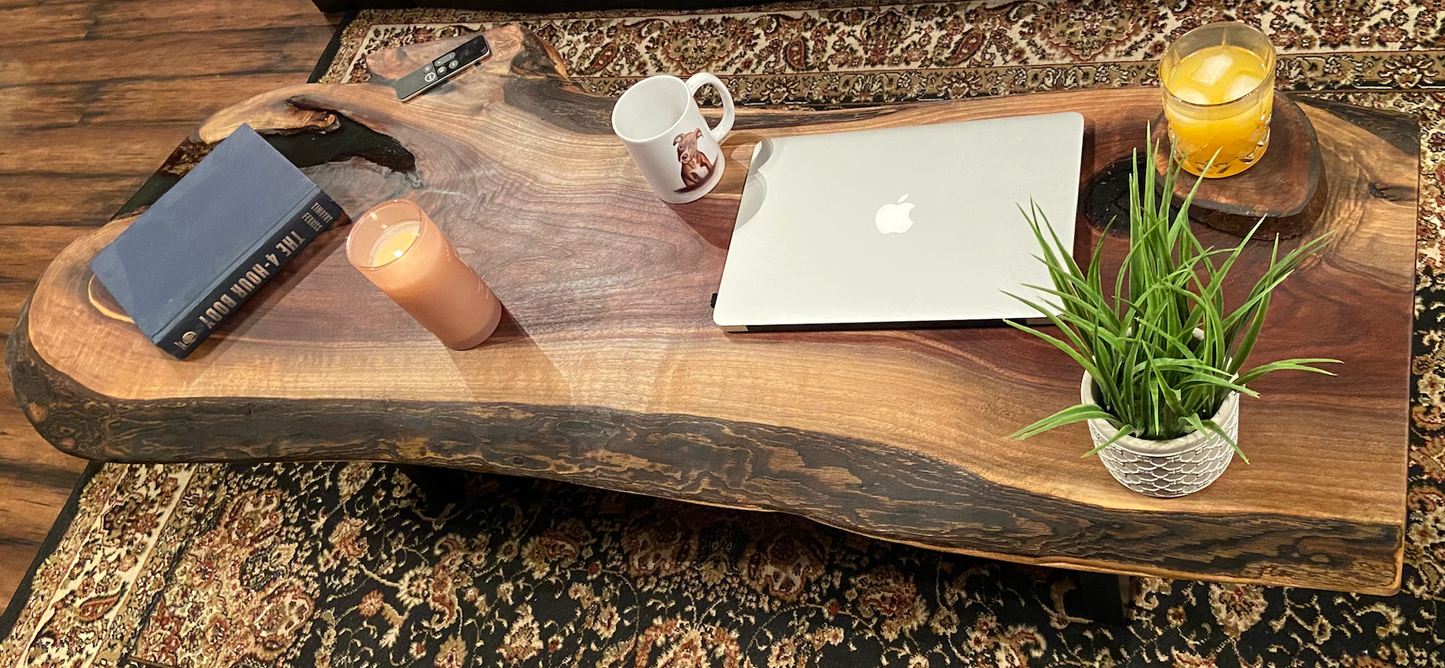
point(1283, 188)
point(608, 372)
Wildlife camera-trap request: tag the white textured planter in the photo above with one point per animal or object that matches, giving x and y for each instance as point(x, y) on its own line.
point(1170, 468)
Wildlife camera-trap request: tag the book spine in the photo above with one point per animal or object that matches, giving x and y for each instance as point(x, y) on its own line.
point(234, 289)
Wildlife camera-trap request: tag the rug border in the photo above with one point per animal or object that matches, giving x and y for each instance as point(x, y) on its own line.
point(21, 597)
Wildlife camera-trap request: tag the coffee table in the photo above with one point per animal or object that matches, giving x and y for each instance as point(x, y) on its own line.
point(608, 372)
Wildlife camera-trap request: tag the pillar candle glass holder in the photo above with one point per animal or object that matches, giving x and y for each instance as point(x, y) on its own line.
point(402, 252)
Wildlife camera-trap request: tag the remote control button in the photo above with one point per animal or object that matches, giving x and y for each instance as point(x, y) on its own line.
point(430, 77)
point(445, 58)
point(442, 69)
point(426, 68)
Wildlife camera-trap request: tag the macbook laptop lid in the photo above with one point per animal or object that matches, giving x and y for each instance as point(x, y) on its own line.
point(902, 226)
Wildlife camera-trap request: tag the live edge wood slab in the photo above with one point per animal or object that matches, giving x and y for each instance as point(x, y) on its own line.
point(608, 371)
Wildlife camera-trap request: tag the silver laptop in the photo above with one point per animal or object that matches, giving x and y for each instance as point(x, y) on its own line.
point(899, 226)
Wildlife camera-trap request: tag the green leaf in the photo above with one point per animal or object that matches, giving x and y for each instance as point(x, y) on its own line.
point(1151, 372)
point(1079, 358)
point(1301, 364)
point(1212, 427)
point(1123, 431)
point(1070, 415)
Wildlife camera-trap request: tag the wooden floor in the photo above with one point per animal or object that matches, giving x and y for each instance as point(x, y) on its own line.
point(94, 94)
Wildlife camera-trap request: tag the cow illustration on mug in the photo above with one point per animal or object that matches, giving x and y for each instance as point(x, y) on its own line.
point(697, 168)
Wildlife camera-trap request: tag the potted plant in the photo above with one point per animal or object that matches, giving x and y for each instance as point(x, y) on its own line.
point(1164, 360)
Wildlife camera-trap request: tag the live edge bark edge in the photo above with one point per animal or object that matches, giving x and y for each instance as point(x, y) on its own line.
point(830, 479)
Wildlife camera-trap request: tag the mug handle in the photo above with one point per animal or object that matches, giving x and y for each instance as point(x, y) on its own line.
point(701, 79)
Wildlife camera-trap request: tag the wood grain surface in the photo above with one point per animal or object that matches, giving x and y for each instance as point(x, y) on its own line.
point(607, 370)
point(121, 93)
point(1276, 189)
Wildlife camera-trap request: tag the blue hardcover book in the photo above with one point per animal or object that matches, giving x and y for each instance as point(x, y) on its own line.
point(188, 263)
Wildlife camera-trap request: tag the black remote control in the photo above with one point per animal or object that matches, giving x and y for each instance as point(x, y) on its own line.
point(442, 68)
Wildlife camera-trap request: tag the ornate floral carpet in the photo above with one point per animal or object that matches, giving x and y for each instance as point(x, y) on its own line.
point(339, 565)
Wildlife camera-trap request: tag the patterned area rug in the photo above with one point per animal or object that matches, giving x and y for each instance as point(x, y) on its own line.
point(339, 565)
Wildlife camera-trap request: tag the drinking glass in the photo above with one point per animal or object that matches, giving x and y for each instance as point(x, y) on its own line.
point(1218, 85)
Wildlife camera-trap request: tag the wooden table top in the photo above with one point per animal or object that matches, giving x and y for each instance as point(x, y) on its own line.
point(607, 370)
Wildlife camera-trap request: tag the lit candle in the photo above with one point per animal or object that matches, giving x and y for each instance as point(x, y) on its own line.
point(394, 243)
point(398, 248)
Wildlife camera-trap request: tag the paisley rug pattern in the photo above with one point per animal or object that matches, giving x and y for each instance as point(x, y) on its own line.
point(340, 565)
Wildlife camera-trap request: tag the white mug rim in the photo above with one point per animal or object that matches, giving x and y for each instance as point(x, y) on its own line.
point(670, 127)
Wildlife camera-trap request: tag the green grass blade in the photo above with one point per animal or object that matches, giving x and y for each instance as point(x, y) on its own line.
point(1300, 364)
point(1123, 431)
point(1151, 373)
point(1070, 415)
point(1212, 427)
point(1078, 358)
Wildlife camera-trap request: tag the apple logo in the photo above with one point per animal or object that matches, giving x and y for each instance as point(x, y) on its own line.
point(894, 218)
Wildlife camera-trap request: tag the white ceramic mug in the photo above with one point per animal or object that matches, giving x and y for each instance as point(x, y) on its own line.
point(658, 119)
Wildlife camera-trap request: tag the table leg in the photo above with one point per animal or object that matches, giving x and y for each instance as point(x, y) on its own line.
point(1106, 597)
point(441, 486)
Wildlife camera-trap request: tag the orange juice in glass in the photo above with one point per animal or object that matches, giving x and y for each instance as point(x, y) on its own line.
point(1218, 93)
